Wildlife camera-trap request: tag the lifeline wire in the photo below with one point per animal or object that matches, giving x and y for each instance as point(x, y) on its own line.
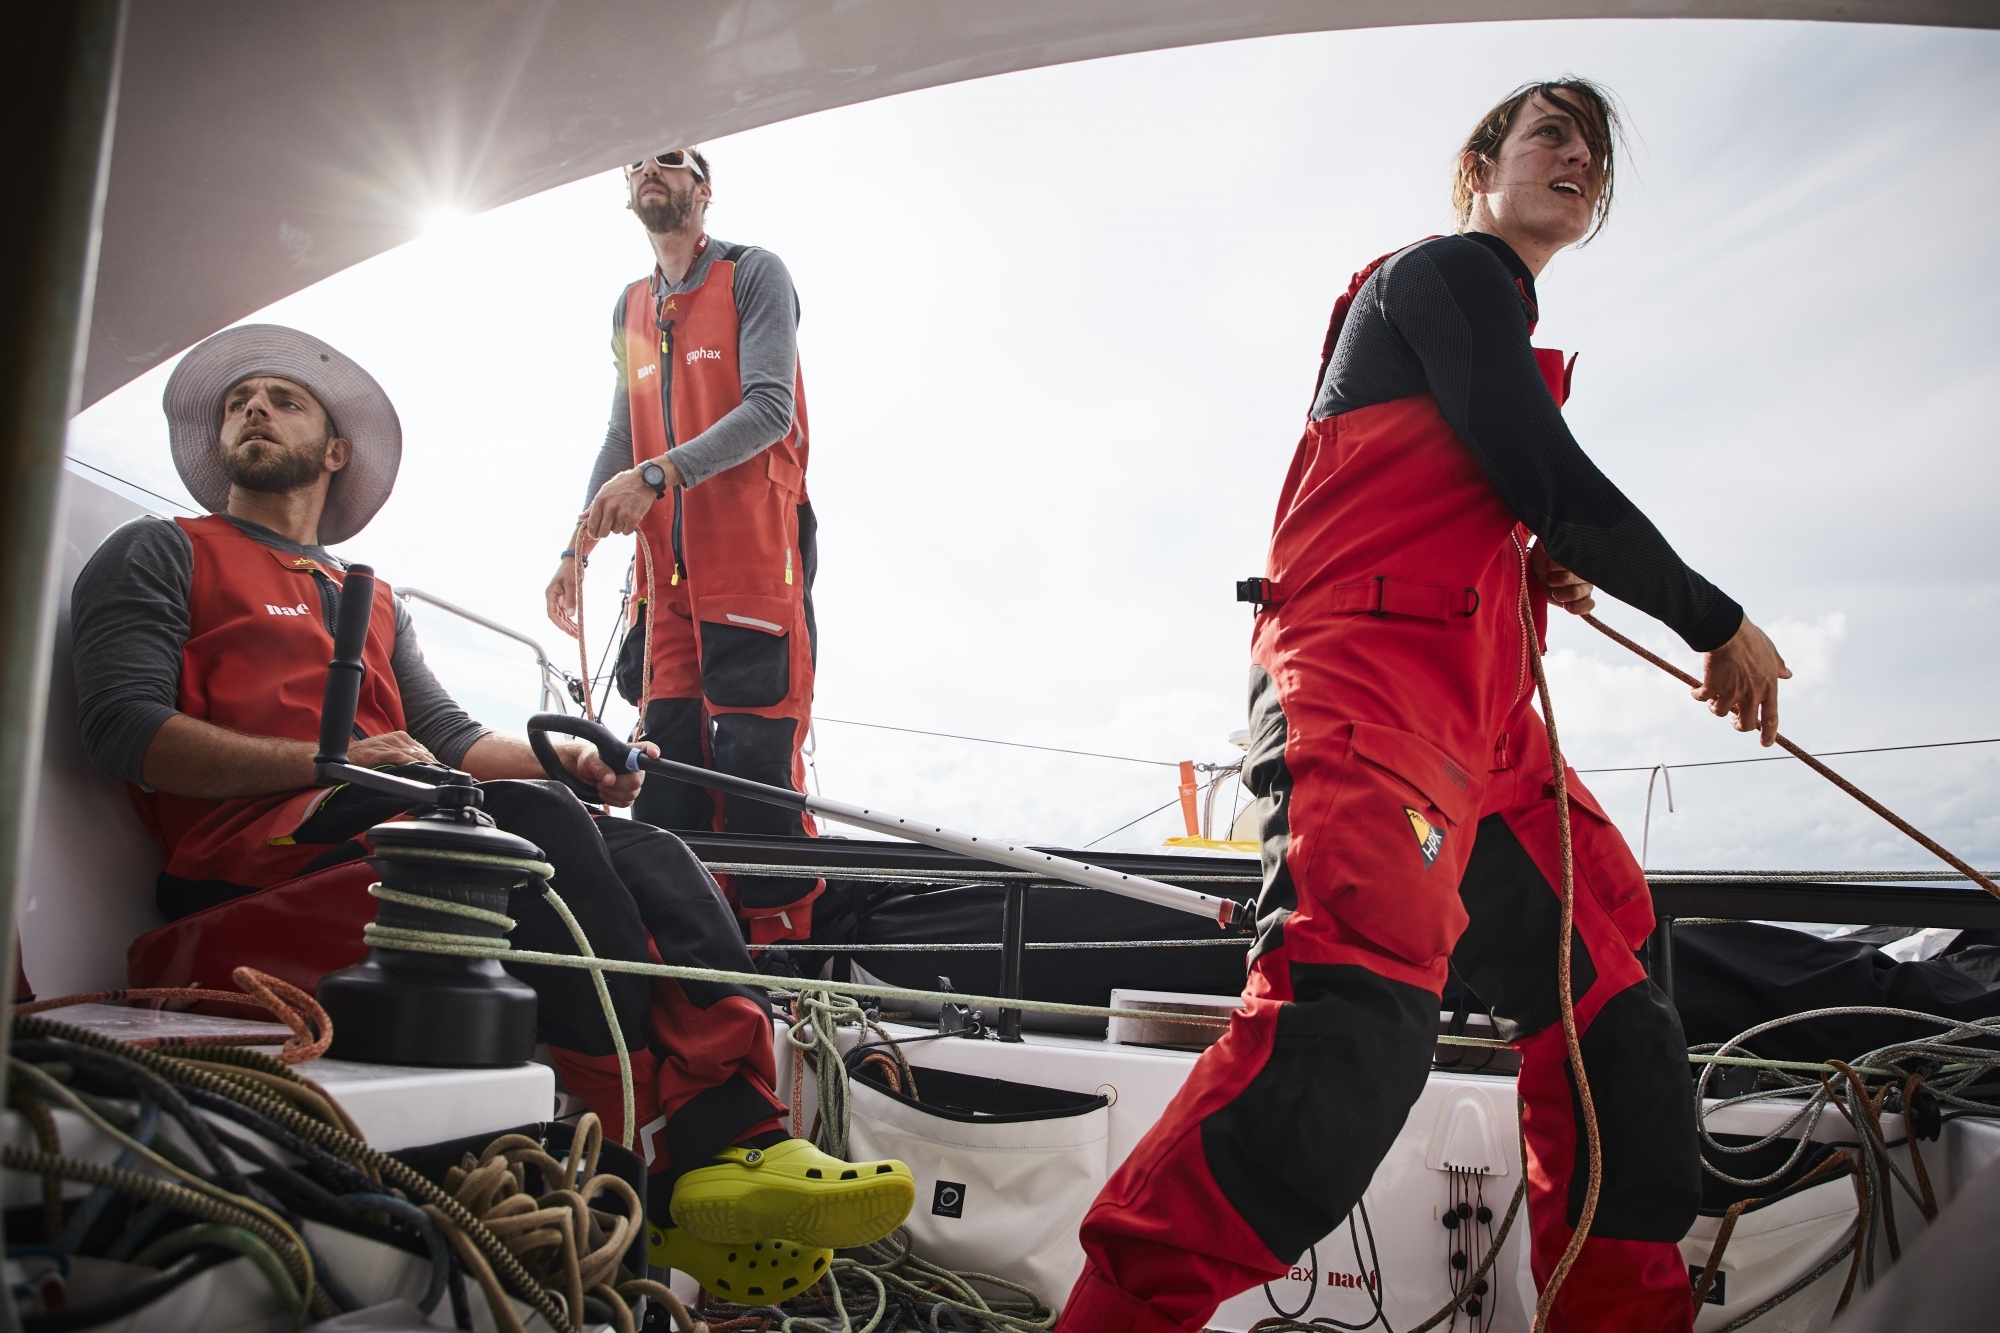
point(1149, 814)
point(122, 481)
point(1016, 745)
point(1779, 758)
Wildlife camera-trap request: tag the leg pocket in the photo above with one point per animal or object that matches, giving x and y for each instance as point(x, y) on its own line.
point(1387, 851)
point(746, 650)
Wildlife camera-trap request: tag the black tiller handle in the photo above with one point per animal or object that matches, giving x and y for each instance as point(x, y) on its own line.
point(346, 671)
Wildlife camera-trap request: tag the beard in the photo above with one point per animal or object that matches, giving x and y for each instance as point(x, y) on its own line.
point(267, 468)
point(666, 215)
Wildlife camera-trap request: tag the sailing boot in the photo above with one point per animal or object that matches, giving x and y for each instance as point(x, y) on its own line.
point(793, 1189)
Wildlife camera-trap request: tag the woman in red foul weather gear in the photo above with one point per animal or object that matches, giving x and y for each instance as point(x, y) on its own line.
point(1404, 788)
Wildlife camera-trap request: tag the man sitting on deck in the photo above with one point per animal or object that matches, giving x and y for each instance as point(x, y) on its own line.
point(201, 648)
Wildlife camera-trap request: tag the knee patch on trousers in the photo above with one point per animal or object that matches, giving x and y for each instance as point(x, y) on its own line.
point(1636, 1056)
point(1295, 1150)
point(758, 748)
point(675, 725)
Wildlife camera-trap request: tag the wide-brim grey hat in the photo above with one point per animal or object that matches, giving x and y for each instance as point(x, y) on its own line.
point(360, 411)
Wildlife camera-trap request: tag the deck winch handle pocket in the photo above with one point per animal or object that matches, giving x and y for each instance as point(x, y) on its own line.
point(625, 758)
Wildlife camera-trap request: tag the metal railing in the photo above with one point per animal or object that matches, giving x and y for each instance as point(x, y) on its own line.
point(554, 683)
point(1893, 897)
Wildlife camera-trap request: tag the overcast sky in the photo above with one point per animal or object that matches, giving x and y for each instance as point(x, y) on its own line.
point(1060, 331)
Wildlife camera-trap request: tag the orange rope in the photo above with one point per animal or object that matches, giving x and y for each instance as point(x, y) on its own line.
point(1564, 990)
point(1903, 826)
point(312, 1030)
point(576, 599)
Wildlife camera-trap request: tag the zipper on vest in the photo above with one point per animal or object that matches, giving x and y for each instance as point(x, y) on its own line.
point(1524, 619)
point(674, 582)
point(667, 425)
point(329, 599)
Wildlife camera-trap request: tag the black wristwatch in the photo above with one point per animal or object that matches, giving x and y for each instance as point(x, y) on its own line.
point(655, 476)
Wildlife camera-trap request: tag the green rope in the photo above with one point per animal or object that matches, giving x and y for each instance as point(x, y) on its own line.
point(610, 1013)
point(245, 1243)
point(541, 869)
point(540, 872)
point(441, 905)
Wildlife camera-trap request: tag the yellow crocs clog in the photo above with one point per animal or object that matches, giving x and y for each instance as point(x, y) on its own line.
point(762, 1272)
point(793, 1189)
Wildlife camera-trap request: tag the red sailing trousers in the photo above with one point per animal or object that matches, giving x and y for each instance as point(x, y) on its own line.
point(1408, 822)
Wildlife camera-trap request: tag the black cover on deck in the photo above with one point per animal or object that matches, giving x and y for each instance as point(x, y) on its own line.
point(1731, 976)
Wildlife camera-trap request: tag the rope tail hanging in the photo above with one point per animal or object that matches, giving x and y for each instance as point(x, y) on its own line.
point(576, 601)
point(1564, 990)
point(1902, 825)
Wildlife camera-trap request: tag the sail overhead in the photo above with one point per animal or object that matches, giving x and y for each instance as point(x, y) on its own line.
point(262, 147)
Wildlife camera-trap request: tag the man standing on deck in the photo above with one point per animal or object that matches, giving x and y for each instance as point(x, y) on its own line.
point(705, 458)
point(1405, 789)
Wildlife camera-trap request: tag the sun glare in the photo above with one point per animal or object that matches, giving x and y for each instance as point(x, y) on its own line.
point(442, 219)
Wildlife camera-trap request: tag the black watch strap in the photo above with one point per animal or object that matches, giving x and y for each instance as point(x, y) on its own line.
point(655, 476)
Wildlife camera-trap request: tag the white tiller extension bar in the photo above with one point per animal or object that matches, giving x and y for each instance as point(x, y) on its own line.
point(624, 758)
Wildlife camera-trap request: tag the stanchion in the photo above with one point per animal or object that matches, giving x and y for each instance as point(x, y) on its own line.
point(1013, 946)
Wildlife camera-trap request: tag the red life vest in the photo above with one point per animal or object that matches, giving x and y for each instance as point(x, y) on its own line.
point(255, 662)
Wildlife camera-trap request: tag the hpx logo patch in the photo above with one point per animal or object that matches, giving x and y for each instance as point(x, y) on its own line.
point(695, 354)
point(948, 1200)
point(1430, 840)
point(299, 610)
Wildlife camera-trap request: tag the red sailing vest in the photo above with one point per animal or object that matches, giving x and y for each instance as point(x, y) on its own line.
point(692, 336)
point(255, 662)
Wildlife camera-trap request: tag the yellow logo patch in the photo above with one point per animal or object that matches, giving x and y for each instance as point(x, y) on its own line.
point(1430, 839)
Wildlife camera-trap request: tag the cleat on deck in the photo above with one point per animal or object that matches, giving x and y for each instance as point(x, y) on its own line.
point(793, 1189)
point(758, 1272)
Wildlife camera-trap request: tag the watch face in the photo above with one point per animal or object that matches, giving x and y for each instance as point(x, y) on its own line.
point(653, 475)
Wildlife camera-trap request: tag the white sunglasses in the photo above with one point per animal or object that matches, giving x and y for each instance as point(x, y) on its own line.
point(679, 159)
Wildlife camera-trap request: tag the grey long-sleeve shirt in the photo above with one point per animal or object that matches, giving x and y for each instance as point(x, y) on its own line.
point(767, 359)
point(130, 616)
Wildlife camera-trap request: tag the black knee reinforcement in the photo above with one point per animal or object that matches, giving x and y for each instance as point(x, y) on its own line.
point(1295, 1151)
